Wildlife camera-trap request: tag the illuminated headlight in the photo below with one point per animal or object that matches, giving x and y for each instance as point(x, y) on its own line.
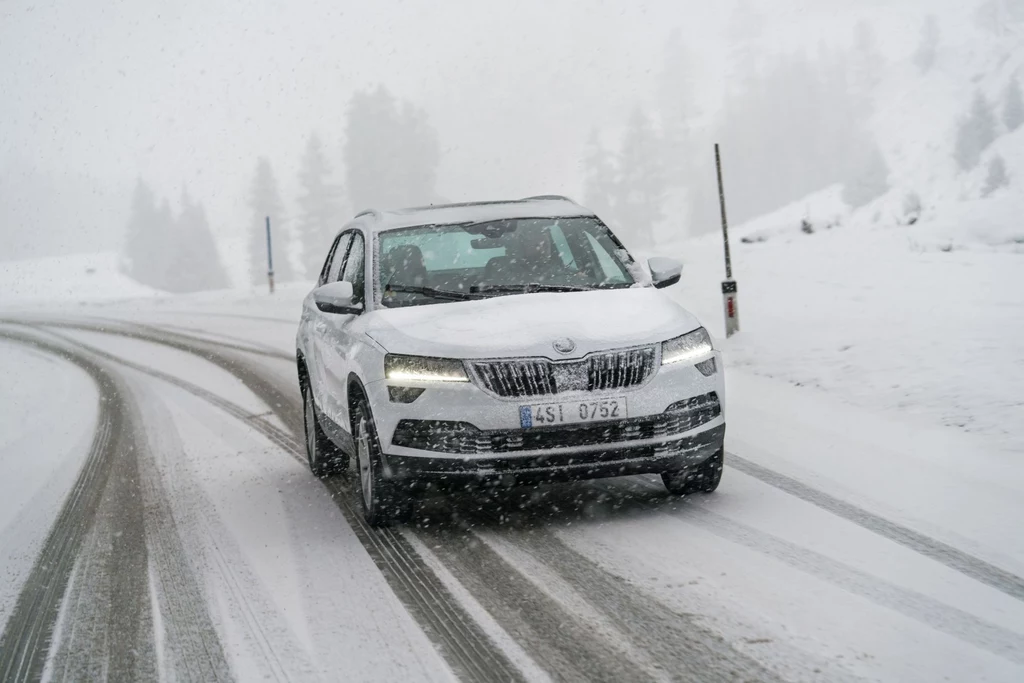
point(423, 369)
point(689, 348)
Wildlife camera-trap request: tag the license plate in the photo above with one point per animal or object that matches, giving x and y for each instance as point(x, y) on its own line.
point(572, 412)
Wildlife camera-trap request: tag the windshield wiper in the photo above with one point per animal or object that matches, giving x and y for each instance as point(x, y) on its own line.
point(527, 288)
point(433, 293)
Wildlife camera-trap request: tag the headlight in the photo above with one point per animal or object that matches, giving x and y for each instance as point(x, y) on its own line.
point(688, 348)
point(423, 369)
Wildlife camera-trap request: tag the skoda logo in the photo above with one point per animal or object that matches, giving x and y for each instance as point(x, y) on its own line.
point(564, 345)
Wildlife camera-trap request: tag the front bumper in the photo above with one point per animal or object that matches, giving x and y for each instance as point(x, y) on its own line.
point(459, 432)
point(677, 454)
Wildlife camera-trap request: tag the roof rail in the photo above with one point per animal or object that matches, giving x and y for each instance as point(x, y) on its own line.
point(369, 212)
point(541, 197)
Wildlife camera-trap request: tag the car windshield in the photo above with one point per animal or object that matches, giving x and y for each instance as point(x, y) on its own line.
point(436, 263)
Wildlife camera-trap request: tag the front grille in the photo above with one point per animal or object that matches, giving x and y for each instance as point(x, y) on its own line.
point(517, 378)
point(465, 439)
point(540, 377)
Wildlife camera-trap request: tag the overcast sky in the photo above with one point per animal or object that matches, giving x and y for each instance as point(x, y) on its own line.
point(191, 92)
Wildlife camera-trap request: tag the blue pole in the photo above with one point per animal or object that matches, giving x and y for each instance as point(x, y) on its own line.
point(270, 259)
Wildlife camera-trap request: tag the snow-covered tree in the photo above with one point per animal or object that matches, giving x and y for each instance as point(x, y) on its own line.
point(391, 152)
point(319, 207)
point(924, 56)
point(867, 62)
point(600, 183)
point(142, 243)
point(163, 261)
point(797, 128)
point(997, 177)
point(1013, 106)
point(869, 177)
point(265, 200)
point(976, 132)
point(642, 181)
point(912, 207)
point(195, 263)
point(1001, 17)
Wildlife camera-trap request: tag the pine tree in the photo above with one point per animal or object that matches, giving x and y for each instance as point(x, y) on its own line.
point(1013, 106)
point(1000, 16)
point(600, 186)
point(924, 57)
point(195, 261)
point(140, 251)
point(265, 201)
point(996, 176)
point(160, 275)
point(421, 155)
point(391, 152)
point(319, 208)
point(977, 131)
point(868, 62)
point(641, 188)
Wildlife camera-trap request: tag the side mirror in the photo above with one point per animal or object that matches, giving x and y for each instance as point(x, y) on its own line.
point(665, 272)
point(336, 297)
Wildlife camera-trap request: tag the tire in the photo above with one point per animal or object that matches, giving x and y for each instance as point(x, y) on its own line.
point(325, 459)
point(383, 502)
point(703, 479)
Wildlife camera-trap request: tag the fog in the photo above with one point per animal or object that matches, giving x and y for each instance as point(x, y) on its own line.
point(189, 95)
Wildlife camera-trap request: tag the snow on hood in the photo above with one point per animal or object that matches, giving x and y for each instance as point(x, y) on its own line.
point(527, 324)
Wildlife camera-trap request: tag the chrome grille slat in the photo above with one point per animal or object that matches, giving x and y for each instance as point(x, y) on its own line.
point(537, 377)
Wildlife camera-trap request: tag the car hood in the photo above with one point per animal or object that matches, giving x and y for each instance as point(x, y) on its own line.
point(528, 324)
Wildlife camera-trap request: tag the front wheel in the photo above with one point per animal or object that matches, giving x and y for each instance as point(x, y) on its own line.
point(324, 457)
point(703, 479)
point(383, 502)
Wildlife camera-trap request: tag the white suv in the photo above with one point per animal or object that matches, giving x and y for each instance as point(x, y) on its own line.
point(502, 341)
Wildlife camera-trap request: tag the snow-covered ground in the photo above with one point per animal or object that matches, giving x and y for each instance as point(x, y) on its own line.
point(865, 315)
point(47, 422)
point(841, 381)
point(69, 279)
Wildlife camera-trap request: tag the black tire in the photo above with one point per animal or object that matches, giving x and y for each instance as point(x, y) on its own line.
point(325, 459)
point(702, 479)
point(384, 503)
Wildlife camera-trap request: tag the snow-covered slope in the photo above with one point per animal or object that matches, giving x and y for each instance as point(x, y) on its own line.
point(66, 279)
point(870, 316)
point(916, 120)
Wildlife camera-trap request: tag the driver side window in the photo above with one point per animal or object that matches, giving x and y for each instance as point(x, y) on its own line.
point(337, 259)
point(354, 271)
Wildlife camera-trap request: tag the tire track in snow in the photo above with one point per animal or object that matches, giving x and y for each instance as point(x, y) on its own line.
point(269, 635)
point(924, 609)
point(989, 637)
point(266, 630)
point(954, 558)
point(544, 626)
point(968, 565)
point(682, 649)
point(100, 528)
point(27, 636)
point(464, 645)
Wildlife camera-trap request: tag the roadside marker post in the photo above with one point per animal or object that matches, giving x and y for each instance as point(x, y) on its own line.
point(729, 289)
point(270, 260)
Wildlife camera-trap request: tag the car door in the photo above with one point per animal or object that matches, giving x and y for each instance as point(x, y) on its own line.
point(335, 342)
point(313, 324)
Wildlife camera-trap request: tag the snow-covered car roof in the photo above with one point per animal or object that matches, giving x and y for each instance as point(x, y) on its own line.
point(548, 206)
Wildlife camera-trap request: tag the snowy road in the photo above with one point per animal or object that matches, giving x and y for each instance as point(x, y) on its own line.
point(195, 545)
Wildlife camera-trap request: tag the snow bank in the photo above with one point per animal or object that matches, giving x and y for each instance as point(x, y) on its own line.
point(69, 279)
point(870, 316)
